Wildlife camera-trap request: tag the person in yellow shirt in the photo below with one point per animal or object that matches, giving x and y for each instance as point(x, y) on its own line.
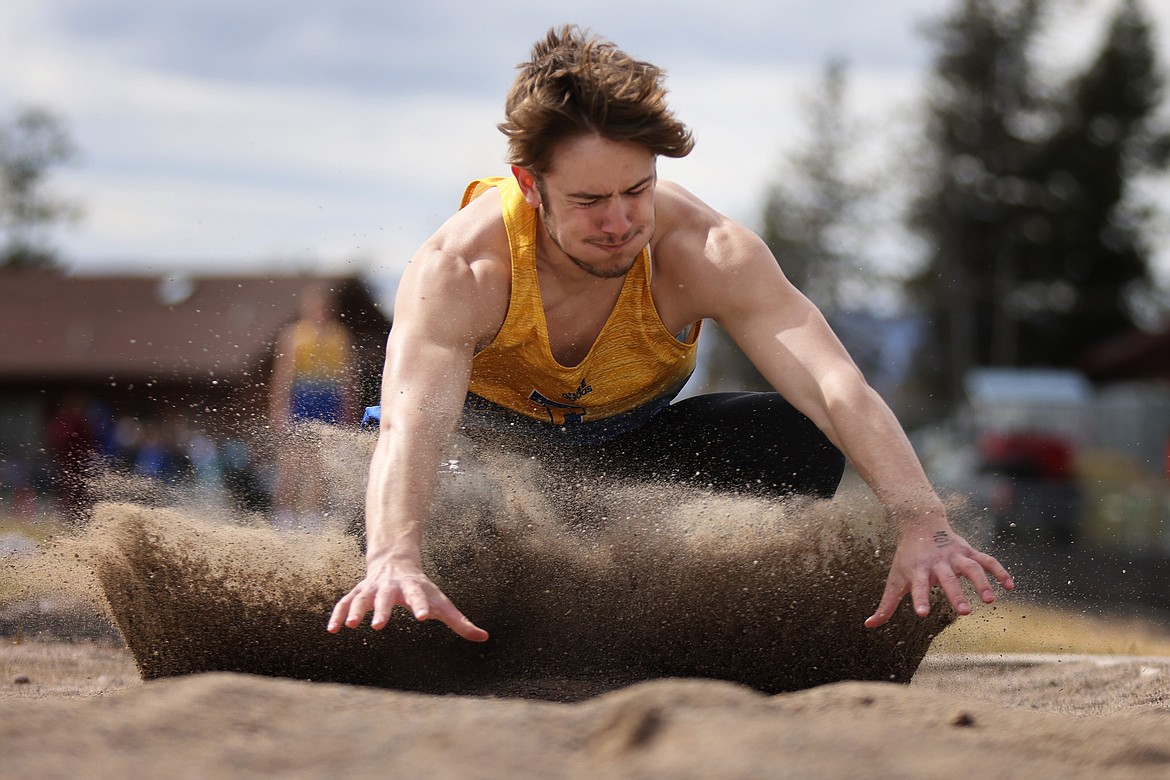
point(563, 302)
point(311, 382)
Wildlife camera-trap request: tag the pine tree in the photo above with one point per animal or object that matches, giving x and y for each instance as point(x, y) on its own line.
point(1093, 257)
point(1038, 245)
point(815, 214)
point(30, 145)
point(982, 108)
point(812, 222)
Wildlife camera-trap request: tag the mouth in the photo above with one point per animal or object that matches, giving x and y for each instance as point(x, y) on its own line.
point(614, 248)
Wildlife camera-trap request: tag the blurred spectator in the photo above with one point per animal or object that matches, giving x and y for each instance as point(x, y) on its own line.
point(126, 438)
point(242, 479)
point(16, 479)
point(99, 416)
point(71, 444)
point(312, 369)
point(203, 456)
point(312, 381)
point(159, 454)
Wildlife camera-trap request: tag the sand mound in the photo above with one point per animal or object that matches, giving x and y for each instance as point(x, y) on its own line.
point(235, 726)
point(1065, 683)
point(583, 588)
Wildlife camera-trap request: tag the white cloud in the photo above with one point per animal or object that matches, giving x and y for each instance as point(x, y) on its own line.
point(218, 132)
point(745, 120)
point(180, 168)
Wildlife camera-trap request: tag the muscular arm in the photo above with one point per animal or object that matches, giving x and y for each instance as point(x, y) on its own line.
point(439, 315)
point(790, 342)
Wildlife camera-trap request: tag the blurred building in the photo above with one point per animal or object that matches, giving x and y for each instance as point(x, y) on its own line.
point(188, 351)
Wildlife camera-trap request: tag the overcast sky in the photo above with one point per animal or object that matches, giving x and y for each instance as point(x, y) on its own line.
point(219, 135)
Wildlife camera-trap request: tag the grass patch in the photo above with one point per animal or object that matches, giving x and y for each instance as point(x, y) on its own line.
point(1020, 627)
point(38, 531)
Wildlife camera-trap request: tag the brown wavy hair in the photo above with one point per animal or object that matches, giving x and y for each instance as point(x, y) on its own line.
point(576, 83)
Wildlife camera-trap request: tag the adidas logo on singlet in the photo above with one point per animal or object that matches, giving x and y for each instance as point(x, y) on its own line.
point(582, 390)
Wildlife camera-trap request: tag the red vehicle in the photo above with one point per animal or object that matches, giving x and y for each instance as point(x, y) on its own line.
point(1031, 485)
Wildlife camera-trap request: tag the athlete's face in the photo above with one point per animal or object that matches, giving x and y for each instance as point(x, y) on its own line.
point(596, 202)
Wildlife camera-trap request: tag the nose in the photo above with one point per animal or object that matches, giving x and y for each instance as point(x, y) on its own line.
point(616, 217)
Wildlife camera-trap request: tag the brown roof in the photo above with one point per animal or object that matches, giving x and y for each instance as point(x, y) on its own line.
point(134, 327)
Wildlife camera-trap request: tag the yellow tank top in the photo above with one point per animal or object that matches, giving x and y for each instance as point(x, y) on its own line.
point(319, 356)
point(634, 369)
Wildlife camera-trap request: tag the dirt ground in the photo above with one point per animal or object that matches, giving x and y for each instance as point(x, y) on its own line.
point(73, 710)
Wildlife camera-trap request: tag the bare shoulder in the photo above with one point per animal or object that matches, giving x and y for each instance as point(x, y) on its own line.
point(691, 228)
point(707, 254)
point(461, 274)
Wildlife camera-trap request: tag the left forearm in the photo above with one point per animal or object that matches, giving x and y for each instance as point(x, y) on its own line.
point(868, 433)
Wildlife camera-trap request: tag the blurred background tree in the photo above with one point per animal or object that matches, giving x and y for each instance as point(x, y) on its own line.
point(32, 143)
point(1027, 205)
point(1082, 283)
point(815, 215)
point(815, 221)
point(982, 124)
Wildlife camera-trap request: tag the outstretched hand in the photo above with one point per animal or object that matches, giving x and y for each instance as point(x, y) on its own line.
point(937, 557)
point(389, 585)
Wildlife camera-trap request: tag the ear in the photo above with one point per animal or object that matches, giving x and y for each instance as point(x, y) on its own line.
point(527, 182)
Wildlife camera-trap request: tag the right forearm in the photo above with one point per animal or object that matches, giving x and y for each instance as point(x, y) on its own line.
point(439, 319)
point(400, 489)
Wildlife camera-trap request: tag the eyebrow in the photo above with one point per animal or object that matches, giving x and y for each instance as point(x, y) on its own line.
point(597, 196)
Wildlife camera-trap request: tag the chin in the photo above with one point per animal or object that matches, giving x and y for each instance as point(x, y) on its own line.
point(610, 268)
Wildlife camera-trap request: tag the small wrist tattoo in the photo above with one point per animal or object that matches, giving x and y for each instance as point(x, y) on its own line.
point(941, 539)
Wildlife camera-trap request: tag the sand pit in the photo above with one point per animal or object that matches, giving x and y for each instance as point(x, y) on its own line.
point(583, 590)
point(990, 715)
point(635, 633)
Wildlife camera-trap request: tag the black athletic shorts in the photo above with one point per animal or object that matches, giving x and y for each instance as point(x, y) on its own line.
point(743, 442)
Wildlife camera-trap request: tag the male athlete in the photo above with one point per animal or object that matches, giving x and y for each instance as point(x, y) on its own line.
point(565, 301)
